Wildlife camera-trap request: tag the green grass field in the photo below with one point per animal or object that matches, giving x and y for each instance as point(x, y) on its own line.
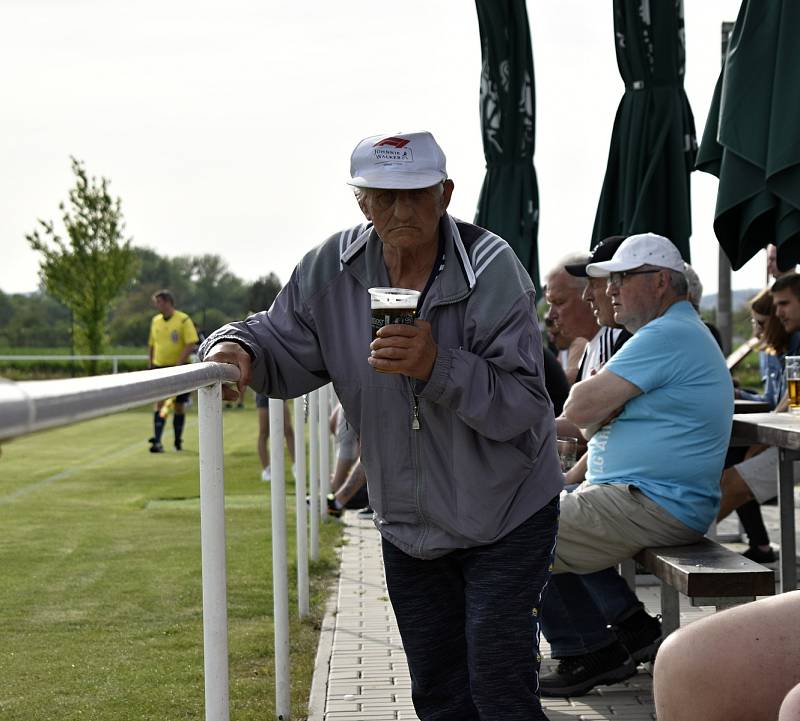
point(101, 583)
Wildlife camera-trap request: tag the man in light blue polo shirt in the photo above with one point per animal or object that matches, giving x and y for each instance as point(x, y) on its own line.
point(659, 415)
point(670, 441)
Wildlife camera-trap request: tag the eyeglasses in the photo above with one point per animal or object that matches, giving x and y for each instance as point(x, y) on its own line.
point(618, 277)
point(758, 322)
point(385, 199)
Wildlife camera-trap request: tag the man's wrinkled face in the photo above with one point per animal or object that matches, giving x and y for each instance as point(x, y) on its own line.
point(567, 311)
point(633, 297)
point(407, 219)
point(787, 308)
point(595, 295)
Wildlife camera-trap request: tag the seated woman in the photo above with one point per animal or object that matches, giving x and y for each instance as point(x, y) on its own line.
point(752, 481)
point(742, 664)
point(774, 341)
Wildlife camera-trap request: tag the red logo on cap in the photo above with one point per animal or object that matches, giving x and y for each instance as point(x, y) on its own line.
point(394, 142)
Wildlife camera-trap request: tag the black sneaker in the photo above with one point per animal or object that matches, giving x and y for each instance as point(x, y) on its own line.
point(641, 635)
point(577, 675)
point(178, 444)
point(754, 553)
point(156, 447)
point(332, 509)
point(366, 513)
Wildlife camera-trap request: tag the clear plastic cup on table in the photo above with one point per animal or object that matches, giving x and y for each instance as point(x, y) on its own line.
point(793, 382)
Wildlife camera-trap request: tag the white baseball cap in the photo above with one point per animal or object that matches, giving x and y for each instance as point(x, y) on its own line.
point(403, 161)
point(639, 250)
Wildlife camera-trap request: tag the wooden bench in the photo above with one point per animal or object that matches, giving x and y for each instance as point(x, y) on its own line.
point(706, 572)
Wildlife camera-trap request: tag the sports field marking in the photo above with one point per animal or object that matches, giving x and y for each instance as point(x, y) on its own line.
point(193, 503)
point(67, 472)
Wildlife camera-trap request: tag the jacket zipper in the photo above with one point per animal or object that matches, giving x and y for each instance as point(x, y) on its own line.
point(415, 440)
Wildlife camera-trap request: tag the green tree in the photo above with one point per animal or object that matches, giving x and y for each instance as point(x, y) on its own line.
point(263, 292)
point(89, 270)
point(36, 321)
point(5, 311)
point(215, 289)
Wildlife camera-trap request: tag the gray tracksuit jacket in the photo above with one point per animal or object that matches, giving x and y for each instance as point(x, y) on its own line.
point(457, 461)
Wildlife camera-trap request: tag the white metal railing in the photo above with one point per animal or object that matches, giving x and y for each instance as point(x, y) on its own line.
point(30, 406)
point(115, 358)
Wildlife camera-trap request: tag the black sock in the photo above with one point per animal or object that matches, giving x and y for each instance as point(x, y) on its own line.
point(750, 516)
point(177, 424)
point(158, 426)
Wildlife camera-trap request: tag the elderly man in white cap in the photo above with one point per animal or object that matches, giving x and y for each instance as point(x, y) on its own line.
point(659, 415)
point(456, 426)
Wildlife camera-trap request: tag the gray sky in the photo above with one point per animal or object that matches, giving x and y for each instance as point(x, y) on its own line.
point(227, 127)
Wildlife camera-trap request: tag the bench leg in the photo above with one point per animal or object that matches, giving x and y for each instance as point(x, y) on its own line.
point(627, 569)
point(670, 609)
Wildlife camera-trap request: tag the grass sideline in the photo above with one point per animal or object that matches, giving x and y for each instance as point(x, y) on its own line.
point(101, 592)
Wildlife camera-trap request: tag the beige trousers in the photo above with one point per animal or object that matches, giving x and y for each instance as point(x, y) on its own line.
point(605, 523)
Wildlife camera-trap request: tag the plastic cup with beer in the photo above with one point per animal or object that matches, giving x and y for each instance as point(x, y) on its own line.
point(567, 452)
point(392, 305)
point(793, 382)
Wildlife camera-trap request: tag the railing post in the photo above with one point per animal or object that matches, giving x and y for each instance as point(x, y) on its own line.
point(301, 514)
point(280, 574)
point(114, 364)
point(313, 472)
point(324, 453)
point(212, 544)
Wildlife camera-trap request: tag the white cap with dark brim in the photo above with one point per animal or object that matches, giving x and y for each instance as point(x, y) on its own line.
point(403, 161)
point(638, 250)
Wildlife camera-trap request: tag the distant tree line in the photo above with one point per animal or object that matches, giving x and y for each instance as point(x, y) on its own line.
point(203, 287)
point(96, 287)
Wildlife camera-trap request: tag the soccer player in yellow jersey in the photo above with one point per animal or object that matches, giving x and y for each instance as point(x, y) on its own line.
point(173, 339)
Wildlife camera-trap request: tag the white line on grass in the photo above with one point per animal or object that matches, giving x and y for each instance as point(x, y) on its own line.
point(66, 473)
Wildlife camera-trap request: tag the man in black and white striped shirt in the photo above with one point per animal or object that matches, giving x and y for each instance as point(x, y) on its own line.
point(610, 336)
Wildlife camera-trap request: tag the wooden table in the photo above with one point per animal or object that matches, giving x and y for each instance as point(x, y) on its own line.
point(781, 430)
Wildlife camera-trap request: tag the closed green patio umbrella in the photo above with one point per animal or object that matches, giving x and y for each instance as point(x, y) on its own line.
point(751, 140)
point(509, 199)
point(653, 143)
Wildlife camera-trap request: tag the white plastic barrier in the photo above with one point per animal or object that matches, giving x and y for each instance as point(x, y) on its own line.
point(313, 472)
point(115, 359)
point(30, 406)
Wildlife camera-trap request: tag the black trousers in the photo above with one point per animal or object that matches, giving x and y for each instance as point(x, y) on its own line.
point(469, 622)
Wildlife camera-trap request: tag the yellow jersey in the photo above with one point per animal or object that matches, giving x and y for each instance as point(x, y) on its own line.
point(168, 338)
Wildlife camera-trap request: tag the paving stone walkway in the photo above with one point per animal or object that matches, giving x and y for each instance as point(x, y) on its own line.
point(361, 671)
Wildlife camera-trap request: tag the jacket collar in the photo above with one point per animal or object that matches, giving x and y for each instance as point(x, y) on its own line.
point(363, 257)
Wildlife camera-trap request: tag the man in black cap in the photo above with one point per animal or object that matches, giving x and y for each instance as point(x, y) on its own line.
point(610, 336)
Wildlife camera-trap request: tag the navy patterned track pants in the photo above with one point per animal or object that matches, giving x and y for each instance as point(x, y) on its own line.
point(470, 623)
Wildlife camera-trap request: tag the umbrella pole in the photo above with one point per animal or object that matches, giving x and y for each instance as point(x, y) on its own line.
point(724, 300)
point(724, 315)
